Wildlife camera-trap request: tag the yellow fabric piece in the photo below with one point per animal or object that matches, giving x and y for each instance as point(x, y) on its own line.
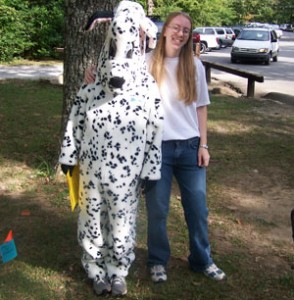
point(73, 187)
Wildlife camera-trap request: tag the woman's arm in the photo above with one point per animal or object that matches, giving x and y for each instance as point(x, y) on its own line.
point(203, 154)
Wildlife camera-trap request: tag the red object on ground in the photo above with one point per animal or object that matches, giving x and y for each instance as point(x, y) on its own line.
point(25, 212)
point(9, 236)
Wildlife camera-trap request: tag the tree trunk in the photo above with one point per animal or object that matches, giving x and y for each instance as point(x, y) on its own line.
point(81, 48)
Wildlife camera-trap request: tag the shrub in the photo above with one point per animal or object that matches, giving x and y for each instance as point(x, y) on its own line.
point(47, 29)
point(30, 28)
point(14, 29)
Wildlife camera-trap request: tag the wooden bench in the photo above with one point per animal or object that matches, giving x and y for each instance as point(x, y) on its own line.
point(252, 77)
point(58, 50)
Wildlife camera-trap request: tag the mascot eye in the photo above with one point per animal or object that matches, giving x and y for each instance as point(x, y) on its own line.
point(112, 49)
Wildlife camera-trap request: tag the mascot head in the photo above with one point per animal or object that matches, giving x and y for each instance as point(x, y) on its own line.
point(121, 65)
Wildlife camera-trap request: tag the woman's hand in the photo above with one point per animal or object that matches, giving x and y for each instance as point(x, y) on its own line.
point(203, 157)
point(90, 75)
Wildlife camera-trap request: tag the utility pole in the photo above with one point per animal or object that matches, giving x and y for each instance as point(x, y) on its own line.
point(150, 6)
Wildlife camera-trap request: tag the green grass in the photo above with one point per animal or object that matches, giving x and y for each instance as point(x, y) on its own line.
point(27, 62)
point(250, 188)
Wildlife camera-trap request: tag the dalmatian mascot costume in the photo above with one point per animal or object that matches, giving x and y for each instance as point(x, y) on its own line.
point(114, 135)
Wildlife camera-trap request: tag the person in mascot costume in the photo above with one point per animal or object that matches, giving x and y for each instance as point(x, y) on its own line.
point(114, 134)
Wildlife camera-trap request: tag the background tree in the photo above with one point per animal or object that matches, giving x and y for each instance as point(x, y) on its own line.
point(15, 27)
point(213, 13)
point(203, 12)
point(33, 28)
point(284, 11)
point(80, 48)
point(47, 27)
point(30, 29)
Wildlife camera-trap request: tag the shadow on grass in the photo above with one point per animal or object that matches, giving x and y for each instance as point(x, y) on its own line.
point(30, 119)
point(42, 235)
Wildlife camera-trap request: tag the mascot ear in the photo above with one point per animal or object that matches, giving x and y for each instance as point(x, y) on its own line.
point(99, 17)
point(151, 31)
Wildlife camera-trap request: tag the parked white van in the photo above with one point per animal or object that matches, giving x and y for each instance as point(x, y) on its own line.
point(255, 44)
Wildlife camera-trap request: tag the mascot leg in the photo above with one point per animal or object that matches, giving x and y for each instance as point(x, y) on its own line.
point(122, 236)
point(93, 233)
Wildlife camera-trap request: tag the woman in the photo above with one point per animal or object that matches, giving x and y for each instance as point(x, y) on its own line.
point(184, 93)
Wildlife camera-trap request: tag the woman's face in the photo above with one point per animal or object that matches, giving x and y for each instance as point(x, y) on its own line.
point(176, 34)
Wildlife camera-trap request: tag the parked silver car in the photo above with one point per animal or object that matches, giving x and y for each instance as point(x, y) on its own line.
point(226, 36)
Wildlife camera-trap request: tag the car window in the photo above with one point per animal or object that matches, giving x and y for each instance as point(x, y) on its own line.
point(262, 36)
point(229, 31)
point(274, 35)
point(198, 30)
point(220, 31)
point(254, 35)
point(208, 31)
point(237, 31)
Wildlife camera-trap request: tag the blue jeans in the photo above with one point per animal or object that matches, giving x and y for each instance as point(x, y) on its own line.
point(179, 159)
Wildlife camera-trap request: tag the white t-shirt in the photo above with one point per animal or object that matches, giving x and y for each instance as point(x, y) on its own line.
point(180, 120)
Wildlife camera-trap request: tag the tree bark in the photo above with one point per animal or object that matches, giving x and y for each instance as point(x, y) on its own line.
point(81, 48)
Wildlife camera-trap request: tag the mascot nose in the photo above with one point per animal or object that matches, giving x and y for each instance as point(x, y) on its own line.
point(116, 82)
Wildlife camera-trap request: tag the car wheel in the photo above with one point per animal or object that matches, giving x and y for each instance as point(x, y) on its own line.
point(267, 62)
point(275, 58)
point(233, 60)
point(203, 48)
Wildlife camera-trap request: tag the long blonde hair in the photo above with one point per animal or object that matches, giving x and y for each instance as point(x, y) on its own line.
point(186, 71)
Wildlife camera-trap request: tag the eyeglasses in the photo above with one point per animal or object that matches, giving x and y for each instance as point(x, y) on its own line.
point(177, 29)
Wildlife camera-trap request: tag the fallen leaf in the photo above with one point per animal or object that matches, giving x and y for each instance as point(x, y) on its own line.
point(238, 221)
point(25, 213)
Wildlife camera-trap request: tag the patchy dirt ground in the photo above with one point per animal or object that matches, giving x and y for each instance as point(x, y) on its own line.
point(254, 203)
point(267, 201)
point(250, 227)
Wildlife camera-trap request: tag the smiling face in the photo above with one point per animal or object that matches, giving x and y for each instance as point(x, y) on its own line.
point(176, 33)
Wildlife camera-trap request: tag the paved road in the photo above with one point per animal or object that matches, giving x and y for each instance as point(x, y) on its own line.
point(52, 73)
point(279, 76)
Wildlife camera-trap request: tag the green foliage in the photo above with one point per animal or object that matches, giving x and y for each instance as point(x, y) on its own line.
point(45, 169)
point(284, 11)
point(30, 28)
point(14, 29)
point(203, 13)
point(47, 24)
point(33, 28)
point(214, 13)
point(228, 12)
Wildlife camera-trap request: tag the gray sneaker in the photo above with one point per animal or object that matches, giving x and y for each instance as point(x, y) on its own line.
point(215, 273)
point(101, 286)
point(158, 273)
point(118, 286)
